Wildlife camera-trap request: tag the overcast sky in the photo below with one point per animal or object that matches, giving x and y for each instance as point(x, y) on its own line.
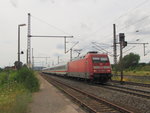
point(87, 20)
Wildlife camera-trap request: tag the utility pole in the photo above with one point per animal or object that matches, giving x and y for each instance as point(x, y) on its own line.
point(19, 63)
point(71, 50)
point(144, 48)
point(43, 57)
point(58, 59)
point(27, 58)
point(29, 42)
point(121, 65)
point(114, 44)
point(52, 63)
point(18, 47)
point(123, 44)
point(115, 49)
point(32, 60)
point(71, 54)
point(65, 45)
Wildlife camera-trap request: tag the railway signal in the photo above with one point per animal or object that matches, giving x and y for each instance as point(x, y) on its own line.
point(122, 40)
point(121, 37)
point(123, 44)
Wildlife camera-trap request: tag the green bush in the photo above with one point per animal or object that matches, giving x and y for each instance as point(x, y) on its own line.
point(15, 90)
point(28, 79)
point(24, 76)
point(14, 98)
point(3, 78)
point(1, 69)
point(146, 68)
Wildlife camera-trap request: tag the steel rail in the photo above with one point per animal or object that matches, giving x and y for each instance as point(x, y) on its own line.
point(138, 93)
point(137, 90)
point(133, 83)
point(94, 97)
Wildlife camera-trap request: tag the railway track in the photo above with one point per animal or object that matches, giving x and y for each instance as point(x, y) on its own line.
point(91, 102)
point(135, 92)
point(132, 83)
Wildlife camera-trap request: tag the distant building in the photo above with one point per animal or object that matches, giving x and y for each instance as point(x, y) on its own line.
point(38, 68)
point(10, 67)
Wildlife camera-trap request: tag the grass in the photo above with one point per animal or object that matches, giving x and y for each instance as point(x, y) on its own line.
point(132, 78)
point(16, 89)
point(14, 98)
point(136, 73)
point(139, 75)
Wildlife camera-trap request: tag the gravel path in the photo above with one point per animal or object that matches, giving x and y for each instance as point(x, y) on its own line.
point(51, 100)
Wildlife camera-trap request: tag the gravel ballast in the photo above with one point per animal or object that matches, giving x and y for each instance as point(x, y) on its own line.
point(129, 101)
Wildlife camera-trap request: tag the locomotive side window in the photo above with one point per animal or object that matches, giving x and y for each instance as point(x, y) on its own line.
point(100, 59)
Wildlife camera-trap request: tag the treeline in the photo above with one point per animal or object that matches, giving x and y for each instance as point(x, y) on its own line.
point(131, 62)
point(24, 76)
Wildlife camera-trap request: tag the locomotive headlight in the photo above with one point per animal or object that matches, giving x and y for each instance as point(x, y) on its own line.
point(95, 71)
point(108, 71)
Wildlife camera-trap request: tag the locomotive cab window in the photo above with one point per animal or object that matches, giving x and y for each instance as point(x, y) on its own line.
point(100, 59)
point(104, 59)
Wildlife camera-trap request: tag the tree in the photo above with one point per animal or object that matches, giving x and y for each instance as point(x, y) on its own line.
point(1, 69)
point(130, 61)
point(18, 65)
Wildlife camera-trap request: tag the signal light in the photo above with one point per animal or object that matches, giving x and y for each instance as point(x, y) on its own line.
point(125, 43)
point(121, 37)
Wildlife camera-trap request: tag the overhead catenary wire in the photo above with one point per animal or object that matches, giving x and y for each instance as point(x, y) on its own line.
point(50, 25)
point(130, 10)
point(139, 5)
point(129, 25)
point(135, 22)
point(104, 51)
point(102, 48)
point(129, 49)
point(102, 27)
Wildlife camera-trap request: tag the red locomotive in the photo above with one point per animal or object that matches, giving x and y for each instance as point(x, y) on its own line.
point(93, 66)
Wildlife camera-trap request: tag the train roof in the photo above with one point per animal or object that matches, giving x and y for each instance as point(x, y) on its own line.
point(57, 65)
point(91, 53)
point(95, 52)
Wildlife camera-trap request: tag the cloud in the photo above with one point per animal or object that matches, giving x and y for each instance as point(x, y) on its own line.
point(57, 54)
point(144, 32)
point(86, 27)
point(52, 1)
point(14, 3)
point(136, 21)
point(70, 1)
point(60, 46)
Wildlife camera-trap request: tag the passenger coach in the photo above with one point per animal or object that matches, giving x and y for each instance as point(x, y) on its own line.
point(93, 66)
